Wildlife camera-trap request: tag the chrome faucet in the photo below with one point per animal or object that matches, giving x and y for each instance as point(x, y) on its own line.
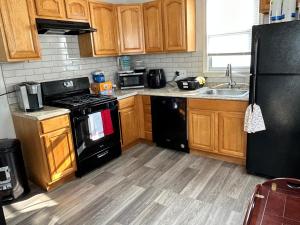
point(231, 83)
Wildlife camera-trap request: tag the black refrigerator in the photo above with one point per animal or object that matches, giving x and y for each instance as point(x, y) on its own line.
point(275, 152)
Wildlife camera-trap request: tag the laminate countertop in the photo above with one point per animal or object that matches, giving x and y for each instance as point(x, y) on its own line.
point(46, 113)
point(175, 92)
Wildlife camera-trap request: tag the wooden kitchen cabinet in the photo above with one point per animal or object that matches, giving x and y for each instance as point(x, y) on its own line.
point(179, 17)
point(202, 129)
point(216, 128)
point(131, 28)
point(103, 42)
point(77, 9)
point(232, 138)
point(50, 8)
point(129, 126)
point(153, 26)
point(264, 6)
point(47, 148)
point(18, 38)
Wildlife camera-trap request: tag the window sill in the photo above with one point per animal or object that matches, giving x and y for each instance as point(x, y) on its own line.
point(222, 74)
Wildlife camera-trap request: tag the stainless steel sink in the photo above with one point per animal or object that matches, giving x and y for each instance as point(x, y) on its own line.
point(227, 92)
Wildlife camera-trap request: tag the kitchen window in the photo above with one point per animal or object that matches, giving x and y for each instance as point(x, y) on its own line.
point(228, 29)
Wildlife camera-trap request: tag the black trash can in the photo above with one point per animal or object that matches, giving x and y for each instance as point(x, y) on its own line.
point(13, 179)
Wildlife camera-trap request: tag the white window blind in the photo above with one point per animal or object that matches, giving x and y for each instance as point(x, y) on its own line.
point(228, 25)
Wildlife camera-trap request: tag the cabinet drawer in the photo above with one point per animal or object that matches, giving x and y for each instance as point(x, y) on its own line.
point(55, 123)
point(218, 105)
point(126, 102)
point(146, 100)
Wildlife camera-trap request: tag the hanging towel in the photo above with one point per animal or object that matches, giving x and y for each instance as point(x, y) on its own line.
point(95, 126)
point(107, 122)
point(254, 120)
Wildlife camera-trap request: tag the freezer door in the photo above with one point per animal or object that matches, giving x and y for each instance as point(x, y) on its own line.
point(276, 151)
point(279, 48)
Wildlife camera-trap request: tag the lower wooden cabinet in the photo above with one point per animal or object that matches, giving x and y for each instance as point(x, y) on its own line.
point(202, 130)
point(129, 127)
point(47, 148)
point(60, 153)
point(216, 127)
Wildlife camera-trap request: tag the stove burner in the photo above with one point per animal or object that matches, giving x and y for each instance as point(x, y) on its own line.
point(80, 100)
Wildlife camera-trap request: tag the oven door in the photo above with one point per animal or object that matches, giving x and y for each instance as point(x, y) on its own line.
point(85, 146)
point(128, 81)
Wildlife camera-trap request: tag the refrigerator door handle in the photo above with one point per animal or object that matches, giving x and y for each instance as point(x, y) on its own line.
point(255, 73)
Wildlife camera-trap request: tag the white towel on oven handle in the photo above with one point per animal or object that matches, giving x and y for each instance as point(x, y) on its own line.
point(95, 126)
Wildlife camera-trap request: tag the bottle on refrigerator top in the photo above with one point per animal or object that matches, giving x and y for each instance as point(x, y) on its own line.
point(289, 10)
point(276, 11)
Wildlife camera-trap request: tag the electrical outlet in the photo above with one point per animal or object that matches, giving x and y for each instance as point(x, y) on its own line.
point(182, 73)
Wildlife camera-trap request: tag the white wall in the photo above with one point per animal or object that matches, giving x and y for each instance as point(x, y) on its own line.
point(6, 125)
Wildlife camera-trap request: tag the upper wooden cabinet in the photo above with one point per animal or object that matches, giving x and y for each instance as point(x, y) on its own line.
point(104, 19)
point(264, 6)
point(131, 32)
point(18, 38)
point(153, 26)
point(179, 25)
point(50, 8)
point(77, 9)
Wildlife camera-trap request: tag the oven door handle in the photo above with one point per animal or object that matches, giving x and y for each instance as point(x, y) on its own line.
point(120, 125)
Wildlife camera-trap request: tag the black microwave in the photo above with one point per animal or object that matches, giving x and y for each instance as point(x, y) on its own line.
point(130, 80)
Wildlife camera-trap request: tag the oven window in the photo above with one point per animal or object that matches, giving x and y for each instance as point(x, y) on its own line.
point(129, 81)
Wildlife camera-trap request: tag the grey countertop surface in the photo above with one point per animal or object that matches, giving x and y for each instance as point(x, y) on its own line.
point(46, 113)
point(175, 92)
point(50, 112)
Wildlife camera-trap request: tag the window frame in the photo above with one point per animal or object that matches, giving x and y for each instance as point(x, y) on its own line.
point(207, 69)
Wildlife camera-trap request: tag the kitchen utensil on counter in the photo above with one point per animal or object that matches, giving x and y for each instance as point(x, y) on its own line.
point(156, 78)
point(29, 96)
point(98, 76)
point(130, 79)
point(191, 83)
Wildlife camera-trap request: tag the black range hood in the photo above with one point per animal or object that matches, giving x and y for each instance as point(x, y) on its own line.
point(46, 26)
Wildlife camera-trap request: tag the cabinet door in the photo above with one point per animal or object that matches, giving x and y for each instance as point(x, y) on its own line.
point(202, 130)
point(77, 9)
point(50, 8)
point(18, 30)
point(103, 18)
point(264, 6)
point(131, 33)
point(129, 126)
point(174, 25)
point(232, 138)
point(153, 26)
point(60, 153)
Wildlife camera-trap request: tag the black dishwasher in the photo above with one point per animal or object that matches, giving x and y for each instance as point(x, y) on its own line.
point(169, 122)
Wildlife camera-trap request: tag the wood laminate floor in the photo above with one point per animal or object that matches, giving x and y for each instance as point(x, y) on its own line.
point(146, 185)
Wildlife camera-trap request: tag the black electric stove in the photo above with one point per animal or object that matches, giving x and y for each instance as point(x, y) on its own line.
point(74, 94)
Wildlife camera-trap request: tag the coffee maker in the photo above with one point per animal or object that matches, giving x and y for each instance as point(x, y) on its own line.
point(29, 96)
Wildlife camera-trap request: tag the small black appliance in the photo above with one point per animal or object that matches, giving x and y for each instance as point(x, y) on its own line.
point(169, 122)
point(156, 78)
point(13, 179)
point(189, 83)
